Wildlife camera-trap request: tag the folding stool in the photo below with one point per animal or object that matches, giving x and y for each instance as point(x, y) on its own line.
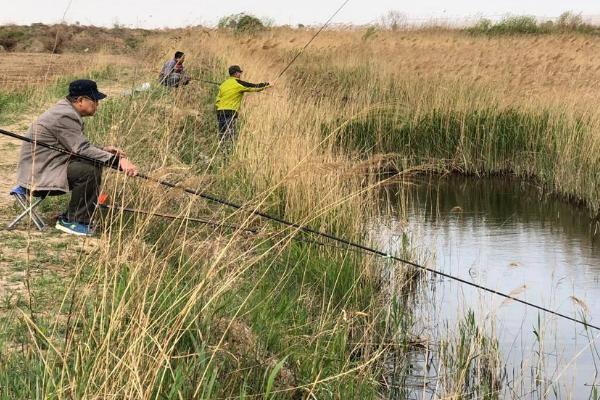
point(28, 202)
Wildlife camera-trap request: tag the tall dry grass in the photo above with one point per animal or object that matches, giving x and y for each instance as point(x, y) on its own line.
point(518, 105)
point(169, 309)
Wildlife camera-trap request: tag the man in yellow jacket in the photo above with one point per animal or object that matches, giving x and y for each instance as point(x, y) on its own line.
point(229, 100)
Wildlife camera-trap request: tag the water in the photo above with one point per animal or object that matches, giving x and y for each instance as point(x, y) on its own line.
point(507, 236)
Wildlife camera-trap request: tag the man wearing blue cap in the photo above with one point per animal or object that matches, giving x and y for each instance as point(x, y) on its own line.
point(43, 169)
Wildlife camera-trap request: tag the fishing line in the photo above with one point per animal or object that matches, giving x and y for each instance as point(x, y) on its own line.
point(217, 200)
point(117, 207)
point(297, 54)
point(311, 39)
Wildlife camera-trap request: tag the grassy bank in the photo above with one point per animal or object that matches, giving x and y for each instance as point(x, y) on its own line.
point(170, 309)
point(165, 309)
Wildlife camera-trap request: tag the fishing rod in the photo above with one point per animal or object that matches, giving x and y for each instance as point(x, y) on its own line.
point(204, 80)
point(304, 228)
point(311, 39)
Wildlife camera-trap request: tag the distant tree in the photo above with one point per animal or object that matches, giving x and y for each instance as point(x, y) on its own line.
point(394, 20)
point(569, 20)
point(517, 24)
point(241, 23)
point(510, 25)
point(483, 26)
point(268, 22)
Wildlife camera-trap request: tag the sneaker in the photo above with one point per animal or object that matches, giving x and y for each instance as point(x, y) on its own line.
point(74, 228)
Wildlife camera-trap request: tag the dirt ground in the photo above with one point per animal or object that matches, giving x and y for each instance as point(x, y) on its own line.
point(30, 258)
point(26, 253)
point(26, 69)
point(9, 148)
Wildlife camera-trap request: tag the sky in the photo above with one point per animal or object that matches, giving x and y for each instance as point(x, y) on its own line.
point(178, 13)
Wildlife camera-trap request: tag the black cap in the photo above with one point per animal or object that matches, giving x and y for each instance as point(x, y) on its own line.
point(234, 68)
point(85, 87)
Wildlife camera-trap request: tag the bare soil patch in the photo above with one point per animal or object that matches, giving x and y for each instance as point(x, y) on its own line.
point(20, 70)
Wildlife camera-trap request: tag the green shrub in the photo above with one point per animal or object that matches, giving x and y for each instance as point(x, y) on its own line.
point(483, 26)
point(571, 22)
point(241, 23)
point(519, 25)
point(508, 26)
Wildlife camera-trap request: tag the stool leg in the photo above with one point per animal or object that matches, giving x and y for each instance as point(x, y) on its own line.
point(28, 210)
point(37, 220)
point(23, 205)
point(35, 216)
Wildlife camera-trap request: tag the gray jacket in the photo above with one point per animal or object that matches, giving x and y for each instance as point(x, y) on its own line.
point(166, 70)
point(41, 168)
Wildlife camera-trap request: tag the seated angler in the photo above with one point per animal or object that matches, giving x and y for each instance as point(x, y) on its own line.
point(44, 169)
point(173, 72)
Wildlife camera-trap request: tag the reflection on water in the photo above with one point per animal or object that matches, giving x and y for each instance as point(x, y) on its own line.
point(507, 236)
